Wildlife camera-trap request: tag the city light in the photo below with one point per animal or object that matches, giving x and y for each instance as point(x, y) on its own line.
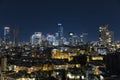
point(54, 56)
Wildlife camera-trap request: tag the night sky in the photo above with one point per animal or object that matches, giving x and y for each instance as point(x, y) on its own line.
point(78, 16)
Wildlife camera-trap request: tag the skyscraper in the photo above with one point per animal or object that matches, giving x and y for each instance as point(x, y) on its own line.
point(6, 34)
point(83, 38)
point(51, 39)
point(73, 39)
point(60, 34)
point(70, 38)
point(106, 37)
point(36, 38)
point(15, 41)
point(60, 31)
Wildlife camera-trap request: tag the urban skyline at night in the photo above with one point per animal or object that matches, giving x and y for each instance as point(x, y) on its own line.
point(65, 35)
point(59, 40)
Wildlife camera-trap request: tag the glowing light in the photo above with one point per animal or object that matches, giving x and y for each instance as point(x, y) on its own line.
point(71, 34)
point(97, 58)
point(82, 77)
point(59, 24)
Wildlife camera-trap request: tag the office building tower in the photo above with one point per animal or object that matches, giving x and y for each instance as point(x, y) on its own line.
point(60, 34)
point(60, 31)
point(76, 40)
point(73, 39)
point(106, 37)
point(36, 38)
point(57, 39)
point(57, 35)
point(70, 37)
point(83, 38)
point(51, 39)
point(15, 41)
point(6, 34)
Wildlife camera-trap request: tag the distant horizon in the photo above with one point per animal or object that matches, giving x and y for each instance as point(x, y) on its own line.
point(66, 35)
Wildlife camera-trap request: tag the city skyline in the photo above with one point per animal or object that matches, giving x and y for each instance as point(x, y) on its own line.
point(76, 16)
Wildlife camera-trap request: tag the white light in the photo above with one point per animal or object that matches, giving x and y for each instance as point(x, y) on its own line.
point(70, 76)
point(57, 73)
point(82, 77)
point(6, 27)
point(59, 24)
point(71, 34)
point(101, 77)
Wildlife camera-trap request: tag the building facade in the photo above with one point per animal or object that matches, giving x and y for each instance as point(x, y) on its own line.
point(106, 37)
point(36, 38)
point(6, 34)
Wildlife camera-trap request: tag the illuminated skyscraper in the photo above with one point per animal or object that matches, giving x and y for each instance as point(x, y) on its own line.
point(70, 38)
point(6, 34)
point(51, 39)
point(106, 37)
point(36, 38)
point(83, 38)
point(60, 34)
point(73, 39)
point(60, 31)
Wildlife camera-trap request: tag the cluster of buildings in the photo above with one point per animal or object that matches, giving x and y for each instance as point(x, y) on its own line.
point(106, 38)
point(55, 57)
point(57, 39)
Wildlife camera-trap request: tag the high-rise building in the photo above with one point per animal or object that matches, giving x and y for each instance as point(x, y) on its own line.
point(60, 34)
point(57, 35)
point(51, 39)
point(6, 34)
point(36, 38)
point(70, 38)
point(73, 39)
point(106, 37)
point(60, 31)
point(15, 41)
point(83, 38)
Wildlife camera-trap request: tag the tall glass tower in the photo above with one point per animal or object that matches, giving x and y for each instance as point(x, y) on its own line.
point(60, 34)
point(36, 38)
point(6, 34)
point(60, 31)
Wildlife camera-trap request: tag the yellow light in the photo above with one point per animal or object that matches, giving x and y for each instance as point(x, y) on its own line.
point(77, 65)
point(77, 77)
point(97, 58)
